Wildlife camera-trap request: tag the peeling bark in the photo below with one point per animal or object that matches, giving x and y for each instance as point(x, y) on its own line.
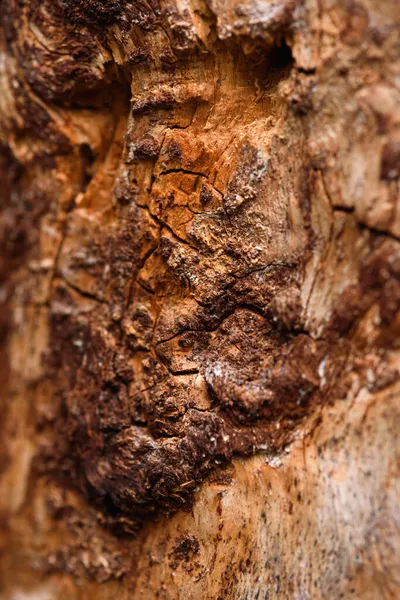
point(200, 288)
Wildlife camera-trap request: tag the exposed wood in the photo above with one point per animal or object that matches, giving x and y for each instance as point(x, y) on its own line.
point(200, 288)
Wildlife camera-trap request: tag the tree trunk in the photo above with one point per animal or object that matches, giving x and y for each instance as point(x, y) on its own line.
point(200, 288)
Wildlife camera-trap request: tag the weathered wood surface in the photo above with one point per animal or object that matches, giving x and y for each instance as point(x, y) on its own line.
point(200, 288)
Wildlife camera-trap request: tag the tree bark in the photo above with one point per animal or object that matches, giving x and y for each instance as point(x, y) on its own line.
point(200, 292)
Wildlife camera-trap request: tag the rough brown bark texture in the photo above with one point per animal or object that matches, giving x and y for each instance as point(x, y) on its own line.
point(200, 288)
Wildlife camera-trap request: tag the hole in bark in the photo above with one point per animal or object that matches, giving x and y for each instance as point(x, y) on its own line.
point(87, 158)
point(269, 67)
point(281, 56)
